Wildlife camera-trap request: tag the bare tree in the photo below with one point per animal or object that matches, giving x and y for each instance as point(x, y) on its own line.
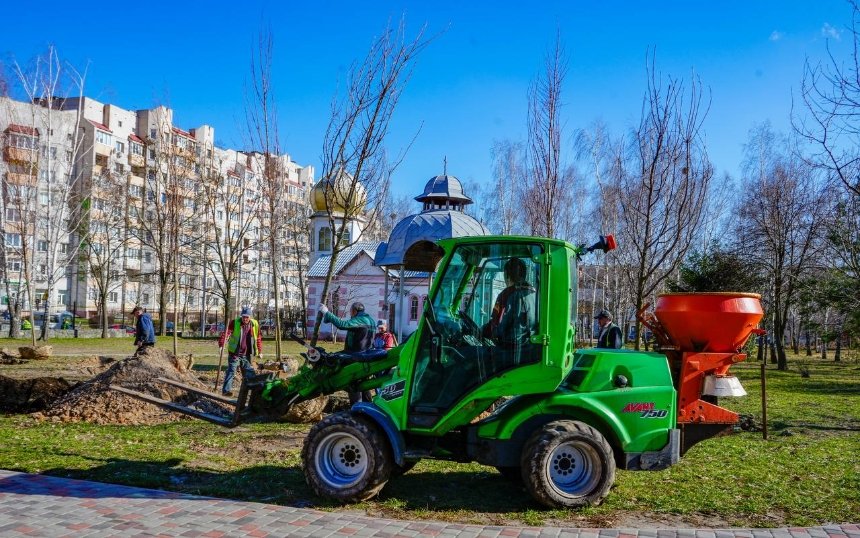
point(355, 164)
point(170, 224)
point(780, 226)
point(44, 85)
point(102, 232)
point(232, 205)
point(263, 131)
point(831, 95)
point(662, 176)
point(502, 206)
point(545, 191)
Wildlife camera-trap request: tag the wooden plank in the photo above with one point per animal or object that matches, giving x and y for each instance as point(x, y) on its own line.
point(166, 404)
point(201, 392)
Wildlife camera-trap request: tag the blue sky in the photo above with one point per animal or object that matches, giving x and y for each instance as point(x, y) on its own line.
point(469, 87)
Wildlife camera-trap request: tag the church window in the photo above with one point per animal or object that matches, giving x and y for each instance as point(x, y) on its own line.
point(324, 239)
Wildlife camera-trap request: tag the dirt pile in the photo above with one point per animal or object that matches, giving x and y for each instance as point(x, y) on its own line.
point(28, 395)
point(92, 401)
point(36, 353)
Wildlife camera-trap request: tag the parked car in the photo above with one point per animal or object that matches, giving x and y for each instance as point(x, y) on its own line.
point(215, 328)
point(267, 326)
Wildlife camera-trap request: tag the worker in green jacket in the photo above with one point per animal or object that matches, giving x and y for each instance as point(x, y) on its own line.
point(359, 327)
point(359, 335)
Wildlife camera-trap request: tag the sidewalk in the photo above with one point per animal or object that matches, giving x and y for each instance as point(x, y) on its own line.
point(36, 505)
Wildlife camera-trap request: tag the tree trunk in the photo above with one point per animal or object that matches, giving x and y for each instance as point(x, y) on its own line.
point(837, 355)
point(807, 337)
point(103, 317)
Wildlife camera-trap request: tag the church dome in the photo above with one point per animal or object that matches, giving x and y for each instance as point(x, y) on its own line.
point(443, 191)
point(410, 240)
point(338, 194)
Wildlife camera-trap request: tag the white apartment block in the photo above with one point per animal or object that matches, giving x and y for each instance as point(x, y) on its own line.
point(37, 153)
point(146, 192)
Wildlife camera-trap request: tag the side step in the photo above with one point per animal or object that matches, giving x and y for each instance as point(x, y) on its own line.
point(167, 404)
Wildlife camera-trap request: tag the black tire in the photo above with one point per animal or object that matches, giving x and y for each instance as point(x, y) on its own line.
point(398, 470)
point(346, 457)
point(513, 473)
point(568, 464)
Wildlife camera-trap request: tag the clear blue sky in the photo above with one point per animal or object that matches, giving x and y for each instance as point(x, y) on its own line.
point(469, 87)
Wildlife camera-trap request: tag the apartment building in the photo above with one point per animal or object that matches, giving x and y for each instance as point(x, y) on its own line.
point(36, 166)
point(151, 202)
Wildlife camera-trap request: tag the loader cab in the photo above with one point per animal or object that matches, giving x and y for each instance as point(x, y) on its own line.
point(483, 333)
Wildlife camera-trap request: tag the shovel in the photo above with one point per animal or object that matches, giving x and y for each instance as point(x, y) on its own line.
point(218, 375)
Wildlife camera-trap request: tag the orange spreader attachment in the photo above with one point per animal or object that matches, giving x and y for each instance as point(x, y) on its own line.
point(705, 332)
point(718, 322)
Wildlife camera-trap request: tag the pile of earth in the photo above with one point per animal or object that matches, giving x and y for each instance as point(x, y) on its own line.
point(92, 401)
point(28, 395)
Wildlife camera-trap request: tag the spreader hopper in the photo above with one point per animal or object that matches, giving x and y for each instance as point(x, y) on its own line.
point(716, 322)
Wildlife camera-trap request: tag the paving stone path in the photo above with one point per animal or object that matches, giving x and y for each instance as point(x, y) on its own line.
point(36, 505)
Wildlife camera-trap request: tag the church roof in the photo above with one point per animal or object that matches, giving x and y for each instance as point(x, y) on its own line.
point(320, 267)
point(428, 226)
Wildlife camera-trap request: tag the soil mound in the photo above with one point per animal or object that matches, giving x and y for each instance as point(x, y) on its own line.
point(92, 401)
point(28, 395)
point(35, 353)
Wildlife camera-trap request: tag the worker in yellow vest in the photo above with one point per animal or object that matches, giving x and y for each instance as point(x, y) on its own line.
point(244, 341)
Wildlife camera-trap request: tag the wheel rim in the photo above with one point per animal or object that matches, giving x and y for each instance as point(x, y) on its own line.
point(341, 460)
point(574, 468)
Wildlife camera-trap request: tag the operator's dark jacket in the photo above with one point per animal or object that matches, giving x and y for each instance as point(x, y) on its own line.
point(610, 337)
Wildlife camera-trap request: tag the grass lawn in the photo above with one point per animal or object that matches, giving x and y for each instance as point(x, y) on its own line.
point(807, 473)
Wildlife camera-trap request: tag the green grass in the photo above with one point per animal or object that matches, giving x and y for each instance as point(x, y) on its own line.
point(807, 473)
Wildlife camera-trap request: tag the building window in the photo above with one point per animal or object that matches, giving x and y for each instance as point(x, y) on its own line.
point(42, 246)
point(113, 297)
point(324, 239)
point(13, 266)
point(13, 215)
point(13, 240)
point(118, 168)
point(413, 308)
point(147, 257)
point(23, 141)
point(103, 138)
point(144, 298)
point(151, 153)
point(120, 147)
point(136, 149)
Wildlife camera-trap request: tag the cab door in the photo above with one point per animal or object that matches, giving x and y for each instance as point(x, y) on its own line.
point(480, 326)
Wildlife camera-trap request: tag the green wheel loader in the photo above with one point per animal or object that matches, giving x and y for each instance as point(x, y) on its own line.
point(492, 376)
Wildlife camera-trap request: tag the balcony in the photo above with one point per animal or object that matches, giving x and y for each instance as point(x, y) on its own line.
point(136, 160)
point(28, 180)
point(20, 155)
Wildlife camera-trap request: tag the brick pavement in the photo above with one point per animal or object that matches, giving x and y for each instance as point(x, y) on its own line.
point(36, 505)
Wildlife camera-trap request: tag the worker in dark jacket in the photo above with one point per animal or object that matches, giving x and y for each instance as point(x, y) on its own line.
point(144, 331)
point(610, 334)
point(359, 336)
